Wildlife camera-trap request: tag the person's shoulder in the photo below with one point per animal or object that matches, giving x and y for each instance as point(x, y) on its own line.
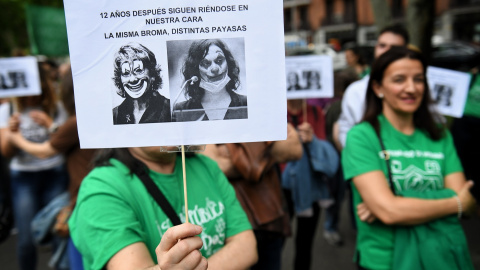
point(358, 86)
point(241, 99)
point(122, 107)
point(160, 99)
point(362, 129)
point(114, 169)
point(184, 105)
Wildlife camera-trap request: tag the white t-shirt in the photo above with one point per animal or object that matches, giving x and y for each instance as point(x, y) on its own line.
point(353, 107)
point(23, 161)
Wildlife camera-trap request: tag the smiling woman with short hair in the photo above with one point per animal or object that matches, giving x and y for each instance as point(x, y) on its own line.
point(137, 78)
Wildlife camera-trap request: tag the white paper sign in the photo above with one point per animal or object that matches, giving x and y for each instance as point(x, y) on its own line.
point(449, 90)
point(19, 77)
point(167, 65)
point(309, 76)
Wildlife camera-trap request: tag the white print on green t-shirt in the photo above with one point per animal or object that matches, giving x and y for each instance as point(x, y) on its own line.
point(213, 240)
point(415, 178)
point(198, 215)
point(413, 154)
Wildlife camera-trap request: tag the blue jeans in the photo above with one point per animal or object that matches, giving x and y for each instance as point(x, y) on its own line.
point(74, 256)
point(332, 213)
point(31, 191)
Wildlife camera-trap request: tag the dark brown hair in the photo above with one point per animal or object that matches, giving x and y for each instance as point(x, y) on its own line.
point(135, 50)
point(198, 50)
point(47, 100)
point(66, 92)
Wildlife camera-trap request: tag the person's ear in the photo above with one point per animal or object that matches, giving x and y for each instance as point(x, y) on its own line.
point(377, 89)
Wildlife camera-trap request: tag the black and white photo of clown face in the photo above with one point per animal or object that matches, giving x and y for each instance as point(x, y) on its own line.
point(213, 67)
point(135, 77)
point(210, 76)
point(137, 80)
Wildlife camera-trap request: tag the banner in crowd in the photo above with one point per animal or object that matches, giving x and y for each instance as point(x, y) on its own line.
point(47, 30)
point(19, 77)
point(449, 90)
point(309, 76)
point(177, 72)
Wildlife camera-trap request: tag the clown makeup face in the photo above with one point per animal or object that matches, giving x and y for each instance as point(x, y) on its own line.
point(135, 78)
point(213, 67)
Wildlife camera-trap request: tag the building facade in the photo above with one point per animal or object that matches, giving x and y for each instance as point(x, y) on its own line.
point(338, 22)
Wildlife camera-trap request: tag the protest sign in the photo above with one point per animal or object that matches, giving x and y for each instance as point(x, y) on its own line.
point(449, 89)
point(309, 76)
point(180, 62)
point(19, 77)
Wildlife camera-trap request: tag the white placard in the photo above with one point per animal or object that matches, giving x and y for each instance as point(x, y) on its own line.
point(449, 90)
point(309, 76)
point(100, 31)
point(19, 77)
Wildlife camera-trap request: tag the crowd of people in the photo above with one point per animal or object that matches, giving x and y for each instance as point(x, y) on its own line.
point(379, 140)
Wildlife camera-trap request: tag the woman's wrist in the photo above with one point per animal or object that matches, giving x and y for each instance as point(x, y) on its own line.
point(459, 206)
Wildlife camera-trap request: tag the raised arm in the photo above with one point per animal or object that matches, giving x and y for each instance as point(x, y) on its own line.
point(220, 153)
point(379, 199)
point(229, 258)
point(7, 148)
point(289, 149)
point(40, 150)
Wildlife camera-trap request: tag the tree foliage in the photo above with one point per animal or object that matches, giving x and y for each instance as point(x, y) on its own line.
point(13, 32)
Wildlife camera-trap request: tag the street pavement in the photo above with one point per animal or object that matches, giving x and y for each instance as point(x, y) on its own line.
point(324, 256)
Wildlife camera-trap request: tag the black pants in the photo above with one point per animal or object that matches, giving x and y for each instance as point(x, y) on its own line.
point(269, 247)
point(304, 237)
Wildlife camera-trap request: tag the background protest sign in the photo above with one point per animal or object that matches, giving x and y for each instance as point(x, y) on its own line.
point(309, 76)
point(19, 77)
point(101, 33)
point(449, 89)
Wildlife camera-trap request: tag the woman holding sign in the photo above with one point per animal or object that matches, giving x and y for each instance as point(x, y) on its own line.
point(117, 224)
point(211, 79)
point(137, 78)
point(407, 181)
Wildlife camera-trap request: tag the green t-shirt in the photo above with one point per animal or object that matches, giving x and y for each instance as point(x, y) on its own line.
point(417, 163)
point(472, 105)
point(114, 209)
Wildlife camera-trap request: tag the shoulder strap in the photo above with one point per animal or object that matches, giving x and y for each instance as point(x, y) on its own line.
point(158, 196)
point(387, 160)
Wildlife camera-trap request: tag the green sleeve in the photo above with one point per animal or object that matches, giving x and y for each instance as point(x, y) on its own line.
point(103, 223)
point(361, 152)
point(452, 162)
point(237, 220)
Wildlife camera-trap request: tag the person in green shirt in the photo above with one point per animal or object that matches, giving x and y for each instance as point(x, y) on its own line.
point(117, 224)
point(421, 153)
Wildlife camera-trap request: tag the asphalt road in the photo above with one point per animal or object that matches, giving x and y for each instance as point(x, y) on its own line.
point(324, 256)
